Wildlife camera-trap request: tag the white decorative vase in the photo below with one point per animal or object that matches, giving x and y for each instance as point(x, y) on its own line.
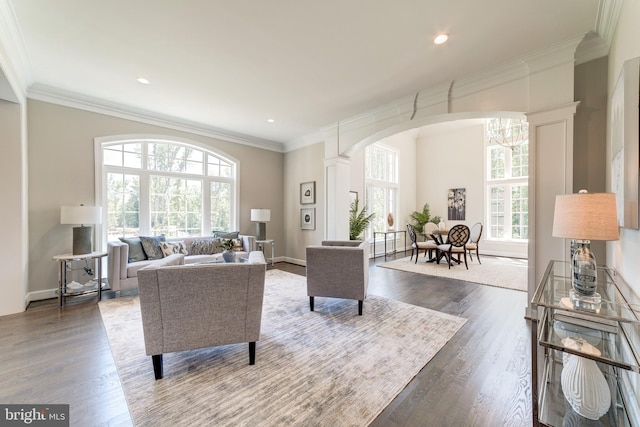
point(585, 387)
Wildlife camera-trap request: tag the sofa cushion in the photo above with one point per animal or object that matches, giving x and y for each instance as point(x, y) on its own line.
point(170, 248)
point(174, 259)
point(151, 246)
point(136, 253)
point(226, 234)
point(205, 247)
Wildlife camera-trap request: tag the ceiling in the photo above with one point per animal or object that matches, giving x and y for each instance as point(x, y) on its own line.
point(231, 65)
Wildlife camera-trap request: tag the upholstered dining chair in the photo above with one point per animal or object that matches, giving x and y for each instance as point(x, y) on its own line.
point(428, 246)
point(474, 240)
point(456, 241)
point(428, 230)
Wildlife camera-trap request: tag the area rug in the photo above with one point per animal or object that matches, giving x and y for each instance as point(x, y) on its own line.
point(330, 367)
point(510, 273)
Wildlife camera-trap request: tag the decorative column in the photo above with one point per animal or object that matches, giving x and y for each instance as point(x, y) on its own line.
point(337, 171)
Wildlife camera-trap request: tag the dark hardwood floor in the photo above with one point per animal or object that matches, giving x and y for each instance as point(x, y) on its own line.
point(480, 378)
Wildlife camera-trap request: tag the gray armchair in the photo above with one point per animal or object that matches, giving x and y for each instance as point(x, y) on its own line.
point(186, 307)
point(338, 269)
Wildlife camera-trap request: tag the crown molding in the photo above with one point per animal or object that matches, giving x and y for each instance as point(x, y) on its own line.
point(57, 96)
point(607, 19)
point(14, 60)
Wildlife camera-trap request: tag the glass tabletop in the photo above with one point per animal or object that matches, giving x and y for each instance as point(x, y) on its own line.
point(555, 287)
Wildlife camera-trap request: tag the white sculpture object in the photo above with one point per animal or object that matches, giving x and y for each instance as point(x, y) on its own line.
point(585, 387)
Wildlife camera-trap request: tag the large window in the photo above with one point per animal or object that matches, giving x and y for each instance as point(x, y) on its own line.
point(153, 187)
point(507, 191)
point(381, 185)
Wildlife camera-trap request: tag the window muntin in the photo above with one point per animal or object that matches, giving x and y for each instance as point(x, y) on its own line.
point(154, 187)
point(507, 191)
point(381, 185)
point(123, 205)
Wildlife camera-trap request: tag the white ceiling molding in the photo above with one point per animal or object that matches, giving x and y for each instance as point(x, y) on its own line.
point(13, 57)
point(608, 14)
point(394, 114)
point(69, 99)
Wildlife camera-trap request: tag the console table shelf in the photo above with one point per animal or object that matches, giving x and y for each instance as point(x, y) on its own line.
point(613, 331)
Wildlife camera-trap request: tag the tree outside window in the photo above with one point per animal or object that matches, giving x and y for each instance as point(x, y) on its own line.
point(166, 187)
point(381, 185)
point(507, 191)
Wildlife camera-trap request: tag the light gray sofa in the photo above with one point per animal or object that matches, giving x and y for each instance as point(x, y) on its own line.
point(123, 274)
point(186, 307)
point(338, 269)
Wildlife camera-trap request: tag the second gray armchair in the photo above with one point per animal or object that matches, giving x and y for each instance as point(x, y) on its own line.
point(338, 269)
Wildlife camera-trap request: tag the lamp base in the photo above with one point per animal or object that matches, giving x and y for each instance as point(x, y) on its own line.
point(82, 241)
point(585, 302)
point(261, 231)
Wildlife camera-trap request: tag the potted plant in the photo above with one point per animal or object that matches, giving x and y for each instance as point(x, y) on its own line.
point(423, 217)
point(228, 254)
point(358, 221)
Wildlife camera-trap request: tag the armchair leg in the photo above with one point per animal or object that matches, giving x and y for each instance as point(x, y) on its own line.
point(478, 256)
point(311, 303)
point(252, 353)
point(465, 261)
point(157, 365)
point(360, 307)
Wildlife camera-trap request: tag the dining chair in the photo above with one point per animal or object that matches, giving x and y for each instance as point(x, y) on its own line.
point(456, 241)
point(428, 230)
point(474, 240)
point(428, 246)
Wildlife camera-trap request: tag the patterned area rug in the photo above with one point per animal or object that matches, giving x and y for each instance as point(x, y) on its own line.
point(510, 273)
point(322, 368)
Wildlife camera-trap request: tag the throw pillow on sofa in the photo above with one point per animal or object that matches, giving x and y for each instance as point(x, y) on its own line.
point(136, 252)
point(226, 234)
point(171, 248)
point(205, 247)
point(151, 246)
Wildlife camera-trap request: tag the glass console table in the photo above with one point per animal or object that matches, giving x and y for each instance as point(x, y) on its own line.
point(614, 330)
point(385, 234)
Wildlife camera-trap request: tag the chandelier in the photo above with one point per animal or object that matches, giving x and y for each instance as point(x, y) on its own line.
point(508, 133)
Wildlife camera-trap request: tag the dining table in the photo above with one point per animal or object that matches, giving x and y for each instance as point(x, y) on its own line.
point(440, 236)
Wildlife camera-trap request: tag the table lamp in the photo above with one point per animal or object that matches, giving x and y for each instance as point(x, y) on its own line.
point(584, 217)
point(261, 216)
point(82, 235)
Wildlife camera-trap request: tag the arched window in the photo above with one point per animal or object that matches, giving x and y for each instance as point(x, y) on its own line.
point(153, 186)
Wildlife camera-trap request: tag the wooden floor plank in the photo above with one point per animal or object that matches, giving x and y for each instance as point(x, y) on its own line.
point(480, 378)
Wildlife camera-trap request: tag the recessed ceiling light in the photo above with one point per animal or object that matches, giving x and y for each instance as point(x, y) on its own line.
point(271, 120)
point(441, 39)
point(143, 80)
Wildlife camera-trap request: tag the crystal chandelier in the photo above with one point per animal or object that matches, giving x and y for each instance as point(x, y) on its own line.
point(508, 133)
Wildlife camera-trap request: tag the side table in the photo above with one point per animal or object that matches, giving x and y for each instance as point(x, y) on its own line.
point(64, 260)
point(260, 246)
point(394, 233)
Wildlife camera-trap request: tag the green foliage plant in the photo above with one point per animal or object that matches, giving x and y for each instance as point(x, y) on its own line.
point(420, 218)
point(358, 221)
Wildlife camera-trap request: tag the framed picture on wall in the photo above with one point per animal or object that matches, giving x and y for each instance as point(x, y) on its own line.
point(456, 204)
point(308, 193)
point(353, 196)
point(308, 218)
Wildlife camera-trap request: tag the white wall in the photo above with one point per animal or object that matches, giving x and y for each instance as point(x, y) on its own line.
point(623, 254)
point(13, 215)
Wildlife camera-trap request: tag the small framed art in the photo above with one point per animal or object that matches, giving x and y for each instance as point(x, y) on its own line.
point(308, 193)
point(308, 218)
